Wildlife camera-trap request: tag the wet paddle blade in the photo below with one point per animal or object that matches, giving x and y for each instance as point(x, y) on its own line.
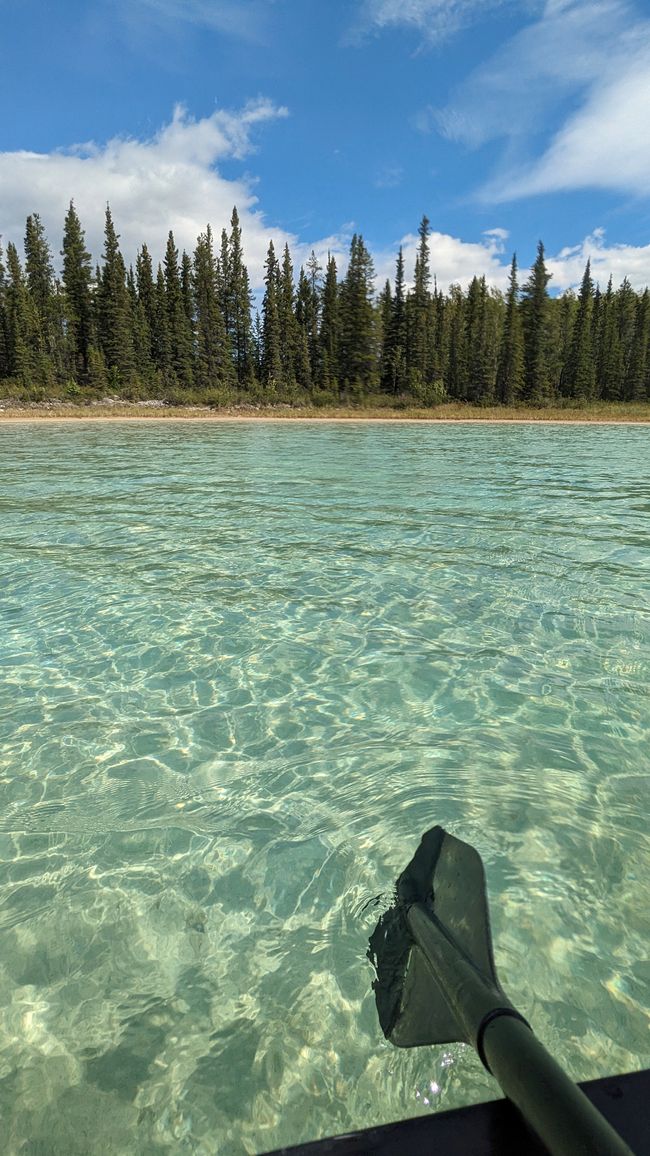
point(446, 878)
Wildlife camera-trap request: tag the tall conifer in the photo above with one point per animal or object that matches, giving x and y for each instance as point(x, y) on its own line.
point(214, 360)
point(536, 321)
point(271, 360)
point(357, 353)
point(114, 321)
point(580, 375)
point(510, 376)
point(329, 336)
point(77, 277)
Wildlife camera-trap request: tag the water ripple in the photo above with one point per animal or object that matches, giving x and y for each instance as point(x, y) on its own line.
point(242, 669)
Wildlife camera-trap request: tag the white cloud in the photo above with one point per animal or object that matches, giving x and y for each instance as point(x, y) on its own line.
point(243, 19)
point(604, 145)
point(167, 181)
point(592, 53)
point(172, 181)
point(435, 19)
point(631, 261)
point(452, 259)
point(455, 260)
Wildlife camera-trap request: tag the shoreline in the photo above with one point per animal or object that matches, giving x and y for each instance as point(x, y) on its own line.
point(327, 421)
point(450, 414)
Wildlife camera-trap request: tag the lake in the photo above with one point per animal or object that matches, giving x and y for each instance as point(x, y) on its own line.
point(242, 668)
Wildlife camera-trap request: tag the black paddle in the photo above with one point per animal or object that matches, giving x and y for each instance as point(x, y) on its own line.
point(436, 984)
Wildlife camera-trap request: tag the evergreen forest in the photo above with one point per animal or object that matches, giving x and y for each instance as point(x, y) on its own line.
point(188, 332)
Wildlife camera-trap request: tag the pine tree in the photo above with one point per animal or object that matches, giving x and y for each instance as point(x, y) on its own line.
point(77, 277)
point(563, 315)
point(147, 300)
point(114, 321)
point(239, 300)
point(384, 315)
point(214, 359)
point(4, 348)
point(290, 337)
point(510, 376)
point(39, 279)
point(305, 317)
point(329, 336)
point(609, 369)
point(161, 343)
point(536, 318)
point(357, 353)
point(626, 302)
point(394, 365)
point(27, 359)
point(456, 369)
point(179, 329)
point(271, 359)
point(479, 384)
point(308, 310)
point(580, 375)
point(39, 272)
point(636, 384)
point(419, 343)
point(141, 334)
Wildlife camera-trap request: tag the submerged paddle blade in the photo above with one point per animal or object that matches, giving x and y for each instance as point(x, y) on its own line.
point(415, 989)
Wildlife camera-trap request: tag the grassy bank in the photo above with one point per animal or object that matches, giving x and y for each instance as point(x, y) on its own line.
point(56, 411)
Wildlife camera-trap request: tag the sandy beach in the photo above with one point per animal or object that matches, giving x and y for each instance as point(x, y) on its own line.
point(599, 414)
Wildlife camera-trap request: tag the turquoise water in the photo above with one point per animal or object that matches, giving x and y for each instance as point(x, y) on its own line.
point(242, 668)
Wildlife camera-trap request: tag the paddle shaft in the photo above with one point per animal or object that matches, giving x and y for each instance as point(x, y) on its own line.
point(560, 1113)
point(556, 1108)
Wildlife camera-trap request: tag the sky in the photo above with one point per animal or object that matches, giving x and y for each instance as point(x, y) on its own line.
point(504, 121)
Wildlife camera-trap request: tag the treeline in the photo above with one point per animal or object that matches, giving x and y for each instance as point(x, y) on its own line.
point(187, 330)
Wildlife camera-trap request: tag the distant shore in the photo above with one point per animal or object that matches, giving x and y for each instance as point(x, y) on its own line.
point(595, 414)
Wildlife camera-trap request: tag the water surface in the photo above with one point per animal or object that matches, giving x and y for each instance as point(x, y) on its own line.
point(242, 668)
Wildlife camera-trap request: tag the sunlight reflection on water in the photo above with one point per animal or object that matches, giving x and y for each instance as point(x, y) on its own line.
point(243, 668)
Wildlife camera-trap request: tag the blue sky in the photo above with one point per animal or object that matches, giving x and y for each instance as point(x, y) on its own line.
point(503, 121)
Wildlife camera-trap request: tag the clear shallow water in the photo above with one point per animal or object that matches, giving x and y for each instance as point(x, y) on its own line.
point(242, 668)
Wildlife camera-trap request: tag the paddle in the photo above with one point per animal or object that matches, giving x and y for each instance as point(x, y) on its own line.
point(436, 983)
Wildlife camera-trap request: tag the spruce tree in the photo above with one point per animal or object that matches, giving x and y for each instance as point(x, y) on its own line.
point(456, 369)
point(609, 369)
point(26, 356)
point(271, 359)
point(290, 336)
point(4, 349)
point(357, 352)
point(394, 365)
point(147, 300)
point(636, 384)
point(114, 320)
point(215, 367)
point(39, 279)
point(179, 329)
point(384, 314)
point(306, 318)
point(536, 321)
point(510, 375)
point(39, 272)
point(161, 343)
point(419, 344)
point(239, 306)
point(329, 335)
point(580, 374)
point(626, 309)
point(77, 277)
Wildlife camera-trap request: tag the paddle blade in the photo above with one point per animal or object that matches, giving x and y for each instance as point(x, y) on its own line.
point(447, 880)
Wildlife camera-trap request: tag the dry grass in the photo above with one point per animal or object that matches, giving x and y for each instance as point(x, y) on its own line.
point(451, 412)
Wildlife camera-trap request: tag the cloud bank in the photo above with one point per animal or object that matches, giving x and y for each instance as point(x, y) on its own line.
point(172, 180)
